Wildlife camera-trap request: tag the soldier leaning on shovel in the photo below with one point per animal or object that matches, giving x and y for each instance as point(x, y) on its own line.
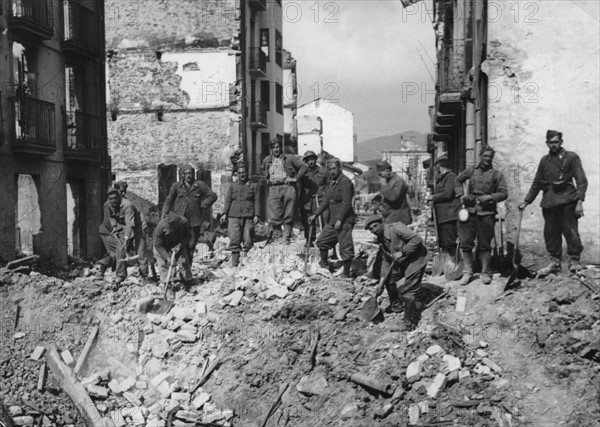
point(446, 207)
point(404, 253)
point(486, 188)
point(117, 230)
point(562, 202)
point(242, 204)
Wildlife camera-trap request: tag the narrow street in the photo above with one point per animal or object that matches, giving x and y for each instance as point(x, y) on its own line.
point(263, 344)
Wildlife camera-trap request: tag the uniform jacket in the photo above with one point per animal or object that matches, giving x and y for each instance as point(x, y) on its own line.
point(338, 199)
point(549, 171)
point(395, 206)
point(483, 181)
point(444, 199)
point(123, 222)
point(399, 238)
point(314, 182)
point(242, 200)
point(171, 231)
point(294, 167)
point(191, 202)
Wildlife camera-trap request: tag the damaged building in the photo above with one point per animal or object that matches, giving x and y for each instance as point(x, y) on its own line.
point(507, 72)
point(54, 163)
point(190, 83)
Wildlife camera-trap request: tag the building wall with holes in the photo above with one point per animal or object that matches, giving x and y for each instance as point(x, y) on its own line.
point(544, 75)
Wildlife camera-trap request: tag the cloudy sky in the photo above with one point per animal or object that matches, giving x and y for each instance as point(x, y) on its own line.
point(364, 54)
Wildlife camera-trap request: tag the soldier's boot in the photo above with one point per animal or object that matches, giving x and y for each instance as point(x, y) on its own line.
point(102, 267)
point(396, 304)
point(323, 263)
point(287, 234)
point(346, 272)
point(468, 268)
point(486, 276)
point(235, 259)
point(574, 265)
point(554, 267)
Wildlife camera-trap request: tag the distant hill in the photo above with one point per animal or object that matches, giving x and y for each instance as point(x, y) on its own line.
point(371, 149)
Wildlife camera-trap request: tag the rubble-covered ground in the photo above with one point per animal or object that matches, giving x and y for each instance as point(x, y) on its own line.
point(266, 344)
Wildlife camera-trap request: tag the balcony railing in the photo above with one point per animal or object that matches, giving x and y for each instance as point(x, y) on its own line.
point(31, 17)
point(451, 66)
point(83, 131)
point(259, 114)
point(258, 4)
point(258, 63)
point(33, 126)
point(80, 29)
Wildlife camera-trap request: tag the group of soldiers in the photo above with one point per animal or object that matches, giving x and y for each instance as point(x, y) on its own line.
point(325, 196)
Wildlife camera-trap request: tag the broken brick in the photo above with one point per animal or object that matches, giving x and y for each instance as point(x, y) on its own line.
point(37, 353)
point(67, 358)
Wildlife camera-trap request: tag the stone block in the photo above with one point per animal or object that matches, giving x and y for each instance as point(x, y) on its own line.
point(436, 386)
point(413, 371)
point(38, 352)
point(127, 383)
point(433, 350)
point(67, 358)
point(200, 400)
point(97, 391)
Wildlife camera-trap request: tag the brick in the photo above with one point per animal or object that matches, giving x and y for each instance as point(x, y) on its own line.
point(38, 352)
point(114, 386)
point(235, 298)
point(413, 414)
point(93, 379)
point(127, 383)
point(154, 318)
point(155, 382)
point(67, 358)
point(97, 391)
point(201, 307)
point(187, 336)
point(461, 304)
point(436, 386)
point(164, 389)
point(200, 400)
point(131, 398)
point(434, 349)
point(141, 385)
point(181, 397)
point(453, 364)
point(413, 371)
point(24, 420)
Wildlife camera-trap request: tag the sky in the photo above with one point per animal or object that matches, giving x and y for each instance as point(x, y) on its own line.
point(364, 54)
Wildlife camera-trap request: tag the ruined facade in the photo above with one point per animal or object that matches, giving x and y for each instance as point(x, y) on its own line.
point(54, 163)
point(290, 102)
point(507, 72)
point(191, 82)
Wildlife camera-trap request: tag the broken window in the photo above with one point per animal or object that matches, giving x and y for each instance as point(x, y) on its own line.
point(278, 48)
point(278, 98)
point(264, 42)
point(265, 93)
point(29, 218)
point(76, 221)
point(71, 106)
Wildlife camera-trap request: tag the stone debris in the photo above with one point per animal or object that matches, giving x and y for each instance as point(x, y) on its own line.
point(67, 358)
point(314, 384)
point(38, 353)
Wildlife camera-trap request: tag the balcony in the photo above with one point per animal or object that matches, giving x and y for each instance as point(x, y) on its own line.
point(258, 63)
point(33, 130)
point(258, 5)
point(31, 18)
point(83, 137)
point(258, 118)
point(451, 66)
point(80, 30)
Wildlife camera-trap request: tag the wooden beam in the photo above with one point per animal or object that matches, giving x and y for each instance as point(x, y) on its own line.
point(86, 350)
point(76, 392)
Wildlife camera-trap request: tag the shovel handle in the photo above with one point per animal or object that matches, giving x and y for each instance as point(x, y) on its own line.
point(517, 240)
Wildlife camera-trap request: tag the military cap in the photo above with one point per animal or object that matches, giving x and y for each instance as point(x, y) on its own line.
point(112, 191)
point(442, 157)
point(552, 133)
point(382, 166)
point(372, 219)
point(309, 154)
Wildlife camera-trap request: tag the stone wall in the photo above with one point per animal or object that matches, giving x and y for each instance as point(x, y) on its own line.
point(544, 74)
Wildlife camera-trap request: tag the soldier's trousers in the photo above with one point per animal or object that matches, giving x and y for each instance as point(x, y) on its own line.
point(281, 203)
point(185, 271)
point(329, 237)
point(115, 246)
point(447, 234)
point(480, 226)
point(241, 231)
point(561, 221)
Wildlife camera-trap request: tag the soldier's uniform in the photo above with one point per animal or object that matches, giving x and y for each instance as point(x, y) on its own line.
point(171, 231)
point(242, 204)
point(312, 189)
point(446, 207)
point(394, 206)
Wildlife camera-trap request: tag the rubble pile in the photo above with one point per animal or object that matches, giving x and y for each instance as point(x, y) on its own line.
point(267, 343)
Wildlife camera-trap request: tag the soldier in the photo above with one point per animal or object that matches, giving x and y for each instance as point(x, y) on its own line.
point(487, 187)
point(446, 206)
point(338, 199)
point(394, 190)
point(403, 251)
point(117, 230)
point(562, 202)
point(173, 233)
point(282, 172)
point(242, 204)
point(138, 243)
point(312, 187)
point(191, 199)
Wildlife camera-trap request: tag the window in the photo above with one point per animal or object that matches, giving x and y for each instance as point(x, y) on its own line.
point(265, 93)
point(278, 98)
point(278, 48)
point(264, 42)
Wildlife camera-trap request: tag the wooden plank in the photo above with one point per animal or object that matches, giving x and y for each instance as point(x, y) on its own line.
point(76, 392)
point(86, 350)
point(42, 377)
point(22, 261)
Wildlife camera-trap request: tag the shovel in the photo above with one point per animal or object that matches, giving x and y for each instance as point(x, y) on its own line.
point(437, 264)
point(518, 270)
point(454, 272)
point(308, 242)
point(370, 309)
point(160, 305)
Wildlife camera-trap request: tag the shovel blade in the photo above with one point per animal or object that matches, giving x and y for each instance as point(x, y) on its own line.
point(370, 309)
point(453, 271)
point(437, 265)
